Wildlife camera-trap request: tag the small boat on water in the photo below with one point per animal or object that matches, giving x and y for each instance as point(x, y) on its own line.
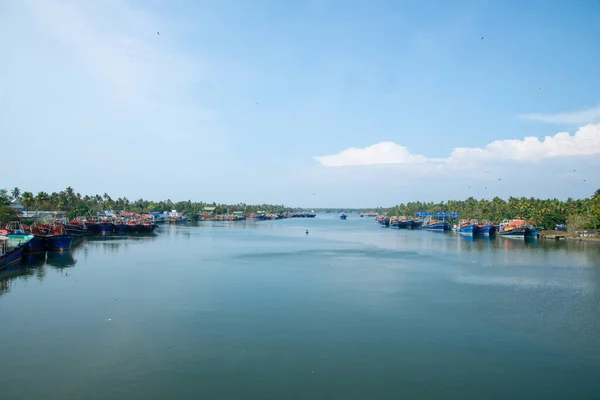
point(343, 216)
point(120, 225)
point(12, 248)
point(394, 223)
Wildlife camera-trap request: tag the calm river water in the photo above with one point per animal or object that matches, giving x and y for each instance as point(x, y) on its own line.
point(260, 311)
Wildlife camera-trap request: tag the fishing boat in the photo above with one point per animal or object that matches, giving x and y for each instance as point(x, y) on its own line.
point(485, 228)
point(343, 216)
point(383, 221)
point(531, 232)
point(416, 224)
point(12, 249)
point(92, 225)
point(467, 228)
point(146, 226)
point(54, 236)
point(120, 225)
point(394, 223)
point(405, 223)
point(430, 223)
point(76, 227)
point(106, 226)
point(514, 228)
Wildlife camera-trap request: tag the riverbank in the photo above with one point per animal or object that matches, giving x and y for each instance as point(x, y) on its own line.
point(564, 235)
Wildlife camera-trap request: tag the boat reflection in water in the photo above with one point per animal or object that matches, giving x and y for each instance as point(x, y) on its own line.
point(61, 260)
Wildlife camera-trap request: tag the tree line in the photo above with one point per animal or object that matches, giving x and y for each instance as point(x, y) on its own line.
point(578, 213)
point(581, 213)
point(75, 204)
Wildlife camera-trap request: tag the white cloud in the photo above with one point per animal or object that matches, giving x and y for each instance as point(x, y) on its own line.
point(579, 118)
point(380, 153)
point(585, 142)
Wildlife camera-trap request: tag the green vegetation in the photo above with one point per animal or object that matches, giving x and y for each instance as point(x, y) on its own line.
point(585, 213)
point(579, 214)
point(74, 204)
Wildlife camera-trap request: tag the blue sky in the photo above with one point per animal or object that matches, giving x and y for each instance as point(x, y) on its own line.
point(259, 101)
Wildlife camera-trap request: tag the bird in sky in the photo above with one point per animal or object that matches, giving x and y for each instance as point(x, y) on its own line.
point(158, 33)
point(574, 170)
point(314, 193)
point(499, 179)
point(482, 38)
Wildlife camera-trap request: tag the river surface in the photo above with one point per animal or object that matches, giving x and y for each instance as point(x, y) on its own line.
point(258, 310)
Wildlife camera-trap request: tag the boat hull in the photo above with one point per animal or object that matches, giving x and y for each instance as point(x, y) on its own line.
point(385, 224)
point(93, 227)
point(513, 234)
point(75, 230)
point(120, 228)
point(106, 227)
point(343, 217)
point(417, 224)
point(146, 228)
point(12, 257)
point(485, 230)
point(439, 227)
point(405, 224)
point(532, 232)
point(395, 225)
point(468, 230)
point(59, 242)
point(37, 244)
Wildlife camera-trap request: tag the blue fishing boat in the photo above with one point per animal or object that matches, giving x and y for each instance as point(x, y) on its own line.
point(394, 223)
point(485, 228)
point(416, 224)
point(92, 225)
point(50, 237)
point(12, 248)
point(343, 216)
point(106, 226)
point(405, 223)
point(467, 228)
point(438, 223)
point(59, 242)
point(120, 225)
point(384, 221)
point(532, 232)
point(512, 229)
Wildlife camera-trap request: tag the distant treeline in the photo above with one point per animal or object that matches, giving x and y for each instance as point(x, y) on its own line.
point(74, 204)
point(580, 213)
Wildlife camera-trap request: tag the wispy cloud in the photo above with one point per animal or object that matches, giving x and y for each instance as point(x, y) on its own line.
point(584, 142)
point(582, 117)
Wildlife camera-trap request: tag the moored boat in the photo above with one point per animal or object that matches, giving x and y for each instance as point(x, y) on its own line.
point(120, 225)
point(146, 227)
point(12, 249)
point(106, 226)
point(512, 229)
point(405, 223)
point(485, 228)
point(343, 216)
point(467, 228)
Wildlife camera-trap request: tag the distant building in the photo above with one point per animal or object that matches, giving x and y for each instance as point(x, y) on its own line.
point(16, 204)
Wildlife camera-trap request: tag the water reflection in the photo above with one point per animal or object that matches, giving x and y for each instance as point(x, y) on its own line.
point(61, 259)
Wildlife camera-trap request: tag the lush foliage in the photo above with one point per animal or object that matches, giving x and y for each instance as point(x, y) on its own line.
point(547, 213)
point(77, 205)
point(544, 212)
